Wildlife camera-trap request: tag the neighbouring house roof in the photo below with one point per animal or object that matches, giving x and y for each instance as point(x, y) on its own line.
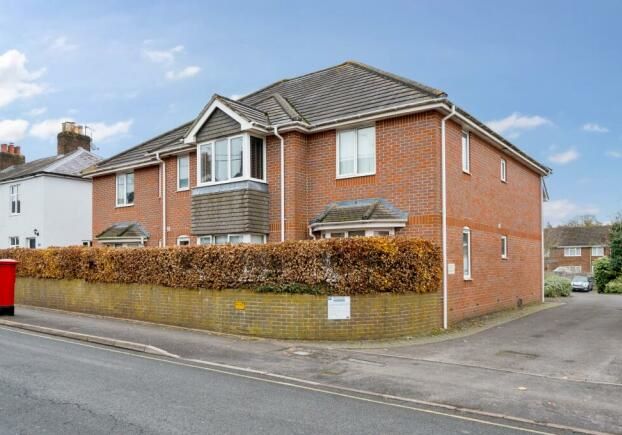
point(70, 165)
point(360, 211)
point(124, 230)
point(317, 100)
point(597, 235)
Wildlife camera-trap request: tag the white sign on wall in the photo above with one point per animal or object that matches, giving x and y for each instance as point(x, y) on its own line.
point(451, 269)
point(338, 307)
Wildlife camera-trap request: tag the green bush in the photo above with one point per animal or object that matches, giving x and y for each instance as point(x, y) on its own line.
point(603, 272)
point(557, 286)
point(338, 266)
point(614, 286)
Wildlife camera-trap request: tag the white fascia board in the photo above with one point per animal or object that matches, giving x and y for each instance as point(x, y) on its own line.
point(245, 124)
point(384, 223)
point(121, 168)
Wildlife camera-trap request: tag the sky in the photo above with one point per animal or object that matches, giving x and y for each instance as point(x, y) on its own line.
point(545, 74)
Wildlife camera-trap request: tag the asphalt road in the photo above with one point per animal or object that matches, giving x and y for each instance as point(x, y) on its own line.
point(54, 386)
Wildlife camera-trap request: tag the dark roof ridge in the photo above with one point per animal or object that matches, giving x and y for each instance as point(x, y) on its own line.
point(403, 80)
point(144, 142)
point(288, 107)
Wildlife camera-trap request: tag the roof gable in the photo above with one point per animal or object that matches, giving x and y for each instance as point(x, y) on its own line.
point(218, 124)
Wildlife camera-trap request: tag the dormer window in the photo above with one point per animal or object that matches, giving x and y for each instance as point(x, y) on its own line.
point(231, 159)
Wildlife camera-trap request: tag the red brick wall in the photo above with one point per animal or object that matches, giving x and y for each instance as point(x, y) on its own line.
point(557, 259)
point(491, 208)
point(178, 203)
point(146, 208)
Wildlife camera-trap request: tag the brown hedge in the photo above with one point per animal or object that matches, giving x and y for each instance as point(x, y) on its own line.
point(338, 266)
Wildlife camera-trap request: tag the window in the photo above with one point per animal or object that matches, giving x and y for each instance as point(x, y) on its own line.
point(466, 253)
point(598, 251)
point(466, 152)
point(16, 204)
point(125, 189)
point(224, 159)
point(336, 234)
point(87, 243)
point(204, 240)
point(504, 246)
point(574, 269)
point(504, 171)
point(183, 172)
point(14, 242)
point(183, 241)
point(233, 239)
point(572, 252)
point(31, 242)
point(356, 152)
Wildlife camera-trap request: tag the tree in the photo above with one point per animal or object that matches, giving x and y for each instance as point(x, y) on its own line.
point(615, 244)
point(586, 220)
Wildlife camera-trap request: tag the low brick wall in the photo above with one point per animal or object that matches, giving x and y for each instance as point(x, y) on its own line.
point(240, 312)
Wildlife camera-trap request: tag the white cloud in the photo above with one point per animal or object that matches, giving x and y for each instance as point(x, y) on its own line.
point(189, 71)
point(37, 111)
point(15, 80)
point(615, 154)
point(516, 123)
point(560, 210)
point(564, 157)
point(12, 130)
point(163, 56)
point(103, 131)
point(592, 127)
point(62, 44)
point(48, 129)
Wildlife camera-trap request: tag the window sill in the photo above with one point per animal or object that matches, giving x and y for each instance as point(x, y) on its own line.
point(185, 189)
point(468, 278)
point(466, 172)
point(343, 177)
point(504, 258)
point(124, 206)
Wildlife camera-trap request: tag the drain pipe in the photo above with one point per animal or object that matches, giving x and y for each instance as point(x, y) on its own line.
point(276, 133)
point(444, 210)
point(163, 193)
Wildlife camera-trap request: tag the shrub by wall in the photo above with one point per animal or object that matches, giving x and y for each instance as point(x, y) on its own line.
point(338, 266)
point(603, 273)
point(556, 286)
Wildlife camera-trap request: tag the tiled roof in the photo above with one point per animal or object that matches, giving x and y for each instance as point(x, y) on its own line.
point(359, 210)
point(124, 230)
point(314, 100)
point(70, 164)
point(597, 235)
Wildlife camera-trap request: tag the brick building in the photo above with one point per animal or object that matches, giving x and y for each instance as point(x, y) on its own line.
point(342, 152)
point(575, 248)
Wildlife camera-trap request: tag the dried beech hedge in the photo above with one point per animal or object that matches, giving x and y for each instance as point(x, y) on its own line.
point(338, 266)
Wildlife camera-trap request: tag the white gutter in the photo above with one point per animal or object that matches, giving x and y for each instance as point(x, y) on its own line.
point(276, 133)
point(444, 211)
point(163, 193)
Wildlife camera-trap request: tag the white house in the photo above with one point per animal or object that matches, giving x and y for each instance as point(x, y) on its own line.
point(46, 202)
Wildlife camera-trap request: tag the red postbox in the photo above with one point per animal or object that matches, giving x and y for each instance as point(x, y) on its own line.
point(7, 287)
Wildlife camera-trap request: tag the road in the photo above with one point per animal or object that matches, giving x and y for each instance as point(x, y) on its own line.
point(56, 386)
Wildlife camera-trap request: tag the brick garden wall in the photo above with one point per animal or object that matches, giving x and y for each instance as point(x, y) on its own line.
point(240, 312)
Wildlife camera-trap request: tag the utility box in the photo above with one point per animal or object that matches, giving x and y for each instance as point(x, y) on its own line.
point(7, 287)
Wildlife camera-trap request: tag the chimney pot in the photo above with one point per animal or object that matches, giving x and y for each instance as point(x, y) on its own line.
point(11, 148)
point(4, 148)
point(18, 150)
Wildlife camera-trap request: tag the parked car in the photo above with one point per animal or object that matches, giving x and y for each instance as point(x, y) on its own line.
point(582, 283)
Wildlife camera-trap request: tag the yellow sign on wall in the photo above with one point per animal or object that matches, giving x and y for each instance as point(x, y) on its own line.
point(239, 305)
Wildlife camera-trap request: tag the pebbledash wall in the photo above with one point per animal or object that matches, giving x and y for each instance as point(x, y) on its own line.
point(304, 317)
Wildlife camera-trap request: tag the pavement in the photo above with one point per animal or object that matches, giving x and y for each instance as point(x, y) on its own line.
point(560, 367)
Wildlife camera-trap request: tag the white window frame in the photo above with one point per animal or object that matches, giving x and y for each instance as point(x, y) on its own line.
point(465, 147)
point(467, 275)
point(15, 201)
point(183, 239)
point(600, 251)
point(179, 178)
point(200, 241)
point(572, 251)
point(246, 160)
point(504, 171)
point(116, 183)
point(356, 136)
point(504, 247)
point(246, 238)
point(14, 241)
point(328, 234)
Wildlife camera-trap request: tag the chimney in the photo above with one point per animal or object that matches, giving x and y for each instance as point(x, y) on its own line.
point(10, 155)
point(71, 138)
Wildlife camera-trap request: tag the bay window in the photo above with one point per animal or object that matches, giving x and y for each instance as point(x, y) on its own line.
point(356, 152)
point(125, 189)
point(230, 159)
